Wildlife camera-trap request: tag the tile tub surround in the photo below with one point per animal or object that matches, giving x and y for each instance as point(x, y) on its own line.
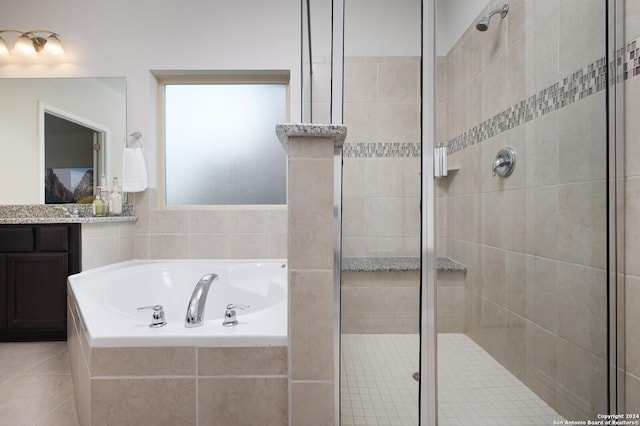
point(311, 238)
point(382, 295)
point(176, 385)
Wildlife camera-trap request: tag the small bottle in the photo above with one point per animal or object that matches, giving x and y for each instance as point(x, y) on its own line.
point(115, 199)
point(99, 207)
point(104, 194)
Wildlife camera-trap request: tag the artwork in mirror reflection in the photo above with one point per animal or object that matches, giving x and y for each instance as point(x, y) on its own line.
point(73, 185)
point(220, 144)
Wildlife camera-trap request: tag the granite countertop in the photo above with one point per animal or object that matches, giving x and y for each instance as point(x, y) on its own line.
point(396, 264)
point(58, 213)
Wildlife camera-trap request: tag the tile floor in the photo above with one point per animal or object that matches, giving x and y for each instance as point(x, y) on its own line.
point(473, 388)
point(35, 385)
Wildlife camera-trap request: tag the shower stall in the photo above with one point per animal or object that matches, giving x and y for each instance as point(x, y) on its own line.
point(489, 294)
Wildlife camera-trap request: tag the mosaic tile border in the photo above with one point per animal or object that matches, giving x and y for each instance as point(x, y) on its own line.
point(587, 81)
point(383, 149)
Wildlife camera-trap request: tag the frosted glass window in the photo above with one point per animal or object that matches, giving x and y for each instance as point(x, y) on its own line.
point(221, 146)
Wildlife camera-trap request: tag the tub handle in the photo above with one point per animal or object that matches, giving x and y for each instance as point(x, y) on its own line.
point(158, 316)
point(230, 314)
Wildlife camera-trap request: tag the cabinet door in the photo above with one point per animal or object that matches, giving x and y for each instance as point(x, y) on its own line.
point(3, 291)
point(36, 290)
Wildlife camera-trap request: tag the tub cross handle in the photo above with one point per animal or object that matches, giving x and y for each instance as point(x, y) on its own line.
point(158, 316)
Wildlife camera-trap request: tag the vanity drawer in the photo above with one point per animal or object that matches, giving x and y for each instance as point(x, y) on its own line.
point(52, 238)
point(18, 239)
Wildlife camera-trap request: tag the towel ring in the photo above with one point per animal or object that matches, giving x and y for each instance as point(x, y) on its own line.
point(136, 136)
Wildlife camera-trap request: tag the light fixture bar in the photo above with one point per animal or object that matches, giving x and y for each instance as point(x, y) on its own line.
point(33, 42)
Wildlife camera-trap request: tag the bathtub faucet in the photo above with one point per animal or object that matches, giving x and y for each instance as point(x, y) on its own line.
point(195, 310)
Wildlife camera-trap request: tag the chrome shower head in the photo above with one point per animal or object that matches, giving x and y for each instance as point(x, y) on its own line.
point(483, 24)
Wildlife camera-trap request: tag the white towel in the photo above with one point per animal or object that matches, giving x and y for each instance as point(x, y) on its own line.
point(134, 172)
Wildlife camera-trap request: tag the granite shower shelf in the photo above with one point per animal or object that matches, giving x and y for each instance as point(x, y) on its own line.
point(397, 264)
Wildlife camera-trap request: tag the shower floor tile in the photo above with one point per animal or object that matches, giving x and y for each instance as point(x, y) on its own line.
point(473, 388)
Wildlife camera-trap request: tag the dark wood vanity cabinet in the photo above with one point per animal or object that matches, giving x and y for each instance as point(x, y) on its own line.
point(35, 261)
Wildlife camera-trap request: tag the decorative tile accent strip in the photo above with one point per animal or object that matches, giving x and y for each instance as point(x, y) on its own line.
point(629, 58)
point(390, 149)
point(585, 82)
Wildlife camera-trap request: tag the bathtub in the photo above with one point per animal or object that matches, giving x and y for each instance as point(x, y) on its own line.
point(107, 299)
point(125, 372)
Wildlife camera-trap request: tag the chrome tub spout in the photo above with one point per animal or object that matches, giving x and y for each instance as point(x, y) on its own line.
point(195, 310)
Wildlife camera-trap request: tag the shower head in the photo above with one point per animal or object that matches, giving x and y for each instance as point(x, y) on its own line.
point(483, 24)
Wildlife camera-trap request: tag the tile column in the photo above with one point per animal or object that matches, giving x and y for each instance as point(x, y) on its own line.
point(313, 267)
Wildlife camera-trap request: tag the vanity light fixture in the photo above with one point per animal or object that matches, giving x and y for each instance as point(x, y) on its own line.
point(33, 42)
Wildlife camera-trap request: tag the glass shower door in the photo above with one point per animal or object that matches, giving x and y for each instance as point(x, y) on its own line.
point(380, 289)
point(522, 327)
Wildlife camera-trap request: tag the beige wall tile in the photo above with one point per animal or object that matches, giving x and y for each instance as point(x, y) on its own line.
point(462, 57)
point(579, 43)
point(490, 279)
point(542, 150)
point(582, 297)
point(310, 214)
point(242, 401)
point(242, 361)
point(397, 122)
point(132, 401)
point(632, 227)
point(541, 368)
point(312, 404)
point(168, 221)
point(360, 81)
point(544, 52)
point(582, 223)
point(398, 82)
point(209, 221)
point(249, 246)
point(315, 148)
point(581, 396)
point(632, 325)
point(311, 324)
point(631, 20)
point(632, 393)
point(209, 246)
point(582, 148)
point(169, 246)
point(542, 226)
point(142, 361)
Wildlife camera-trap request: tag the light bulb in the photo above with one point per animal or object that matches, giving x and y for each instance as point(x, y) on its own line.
point(53, 46)
point(24, 45)
point(4, 51)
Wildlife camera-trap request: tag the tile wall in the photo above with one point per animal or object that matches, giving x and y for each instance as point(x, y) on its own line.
point(381, 191)
point(226, 233)
point(535, 242)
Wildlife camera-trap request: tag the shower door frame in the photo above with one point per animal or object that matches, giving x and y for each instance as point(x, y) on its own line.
point(428, 408)
point(615, 218)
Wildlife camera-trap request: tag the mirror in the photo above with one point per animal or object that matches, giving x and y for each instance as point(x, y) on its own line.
point(98, 104)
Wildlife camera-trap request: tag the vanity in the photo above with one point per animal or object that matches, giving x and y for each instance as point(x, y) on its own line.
point(40, 246)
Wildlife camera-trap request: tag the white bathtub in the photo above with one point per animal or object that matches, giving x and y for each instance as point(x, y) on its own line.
point(107, 299)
